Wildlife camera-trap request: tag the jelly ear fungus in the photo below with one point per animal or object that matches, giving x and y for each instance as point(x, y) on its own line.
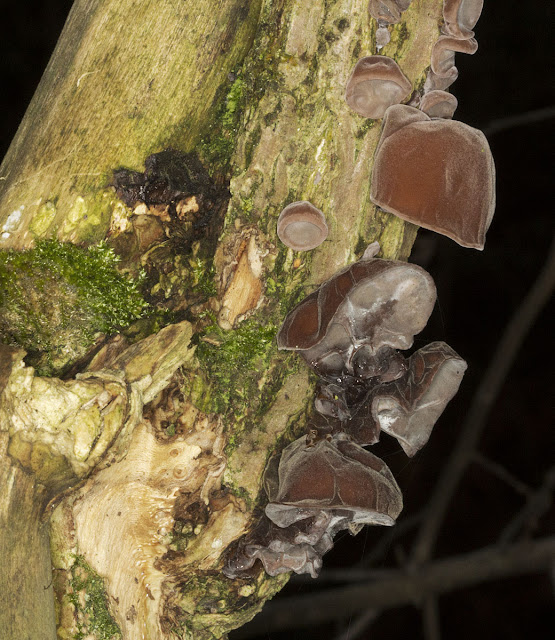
point(436, 173)
point(375, 84)
point(348, 332)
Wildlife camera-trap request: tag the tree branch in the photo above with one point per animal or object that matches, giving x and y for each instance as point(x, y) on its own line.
point(403, 588)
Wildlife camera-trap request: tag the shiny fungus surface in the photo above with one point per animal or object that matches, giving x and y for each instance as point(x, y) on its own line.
point(438, 174)
point(334, 475)
point(364, 312)
point(301, 226)
point(375, 84)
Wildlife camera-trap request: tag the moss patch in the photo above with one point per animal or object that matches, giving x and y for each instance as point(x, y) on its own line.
point(234, 361)
point(56, 297)
point(88, 596)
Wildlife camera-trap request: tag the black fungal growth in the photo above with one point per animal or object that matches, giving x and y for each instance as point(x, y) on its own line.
point(179, 187)
point(349, 332)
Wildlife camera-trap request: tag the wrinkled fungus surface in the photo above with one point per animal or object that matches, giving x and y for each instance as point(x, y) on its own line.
point(349, 331)
point(438, 174)
point(461, 16)
point(354, 321)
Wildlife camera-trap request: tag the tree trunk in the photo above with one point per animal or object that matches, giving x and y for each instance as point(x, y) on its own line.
point(149, 447)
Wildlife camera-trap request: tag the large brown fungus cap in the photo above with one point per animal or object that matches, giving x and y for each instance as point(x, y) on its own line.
point(369, 308)
point(375, 84)
point(336, 476)
point(438, 174)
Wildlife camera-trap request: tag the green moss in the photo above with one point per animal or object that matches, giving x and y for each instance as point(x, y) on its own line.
point(56, 297)
point(234, 360)
point(248, 85)
point(218, 142)
point(93, 615)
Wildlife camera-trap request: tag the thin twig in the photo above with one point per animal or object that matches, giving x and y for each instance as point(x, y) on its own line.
point(430, 619)
point(494, 377)
point(402, 587)
point(536, 505)
point(499, 471)
point(358, 625)
point(519, 120)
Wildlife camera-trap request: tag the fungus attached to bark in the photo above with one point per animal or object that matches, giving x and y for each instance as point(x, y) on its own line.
point(353, 323)
point(301, 226)
point(442, 62)
point(336, 476)
point(297, 548)
point(438, 174)
point(408, 407)
point(387, 11)
point(375, 84)
point(439, 104)
point(461, 16)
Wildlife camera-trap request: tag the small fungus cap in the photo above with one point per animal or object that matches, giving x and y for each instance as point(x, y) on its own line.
point(375, 84)
point(461, 16)
point(301, 226)
point(438, 174)
point(439, 104)
point(387, 11)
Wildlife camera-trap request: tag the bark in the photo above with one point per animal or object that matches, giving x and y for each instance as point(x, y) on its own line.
point(151, 453)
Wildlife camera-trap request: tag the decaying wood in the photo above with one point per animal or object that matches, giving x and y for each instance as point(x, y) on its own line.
point(165, 472)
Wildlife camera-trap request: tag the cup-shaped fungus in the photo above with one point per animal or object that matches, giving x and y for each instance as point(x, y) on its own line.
point(387, 11)
point(438, 174)
point(301, 226)
point(461, 16)
point(335, 476)
point(438, 104)
point(354, 322)
point(375, 84)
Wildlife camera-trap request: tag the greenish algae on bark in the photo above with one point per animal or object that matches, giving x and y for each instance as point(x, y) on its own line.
point(125, 80)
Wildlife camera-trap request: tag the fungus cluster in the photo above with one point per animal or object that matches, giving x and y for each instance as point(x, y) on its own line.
point(431, 171)
point(349, 332)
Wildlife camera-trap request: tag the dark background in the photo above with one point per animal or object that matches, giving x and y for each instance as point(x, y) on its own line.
point(511, 74)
